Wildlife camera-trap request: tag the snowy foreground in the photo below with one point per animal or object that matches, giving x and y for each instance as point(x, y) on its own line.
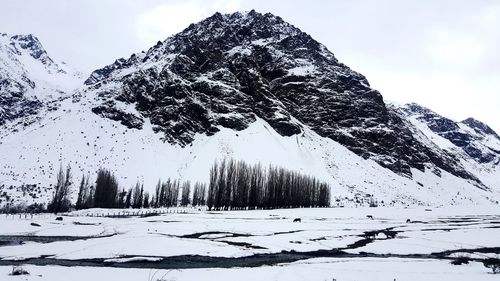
point(328, 244)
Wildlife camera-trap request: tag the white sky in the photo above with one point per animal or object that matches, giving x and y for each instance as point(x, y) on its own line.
point(443, 54)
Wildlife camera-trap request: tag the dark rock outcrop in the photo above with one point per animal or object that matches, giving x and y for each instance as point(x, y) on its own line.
point(228, 70)
point(471, 141)
point(17, 81)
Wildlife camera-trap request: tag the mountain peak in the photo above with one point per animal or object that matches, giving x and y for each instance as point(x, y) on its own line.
point(246, 25)
point(221, 33)
point(29, 76)
point(417, 108)
point(480, 127)
point(229, 70)
point(28, 44)
point(471, 141)
point(442, 124)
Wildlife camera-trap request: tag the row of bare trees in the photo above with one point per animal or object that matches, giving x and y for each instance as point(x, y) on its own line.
point(233, 185)
point(106, 194)
point(167, 194)
point(238, 185)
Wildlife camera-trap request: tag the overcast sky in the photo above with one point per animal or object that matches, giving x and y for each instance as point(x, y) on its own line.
point(442, 54)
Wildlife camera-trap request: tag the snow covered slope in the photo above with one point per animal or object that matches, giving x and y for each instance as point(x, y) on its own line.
point(74, 135)
point(29, 79)
point(246, 85)
point(474, 143)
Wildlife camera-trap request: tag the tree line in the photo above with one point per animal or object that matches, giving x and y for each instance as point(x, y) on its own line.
point(233, 185)
point(238, 185)
point(105, 193)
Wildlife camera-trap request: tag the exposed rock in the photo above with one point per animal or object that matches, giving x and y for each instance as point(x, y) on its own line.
point(228, 70)
point(25, 91)
point(470, 135)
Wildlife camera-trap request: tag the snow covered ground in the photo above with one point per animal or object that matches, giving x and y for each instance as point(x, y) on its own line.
point(316, 269)
point(329, 243)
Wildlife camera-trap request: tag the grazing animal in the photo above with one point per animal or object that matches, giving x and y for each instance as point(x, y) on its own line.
point(297, 220)
point(370, 217)
point(408, 220)
point(59, 219)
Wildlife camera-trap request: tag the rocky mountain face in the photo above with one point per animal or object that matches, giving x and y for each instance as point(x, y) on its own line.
point(230, 69)
point(244, 85)
point(27, 75)
point(473, 137)
point(480, 127)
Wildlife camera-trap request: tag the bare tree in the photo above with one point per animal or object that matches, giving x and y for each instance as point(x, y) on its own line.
point(128, 199)
point(83, 192)
point(60, 201)
point(137, 196)
point(146, 202)
point(199, 194)
point(186, 192)
point(213, 186)
point(106, 189)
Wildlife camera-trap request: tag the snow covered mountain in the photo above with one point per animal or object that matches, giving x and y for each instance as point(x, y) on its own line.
point(245, 85)
point(475, 138)
point(474, 143)
point(29, 79)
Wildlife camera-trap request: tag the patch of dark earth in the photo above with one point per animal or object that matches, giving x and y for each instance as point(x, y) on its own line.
point(10, 240)
point(456, 221)
point(220, 238)
point(224, 235)
point(457, 228)
point(388, 232)
point(198, 235)
point(283, 232)
point(242, 244)
point(162, 221)
point(86, 223)
point(256, 260)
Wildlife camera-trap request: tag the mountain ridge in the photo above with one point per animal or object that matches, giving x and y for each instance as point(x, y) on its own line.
point(29, 79)
point(271, 69)
point(224, 81)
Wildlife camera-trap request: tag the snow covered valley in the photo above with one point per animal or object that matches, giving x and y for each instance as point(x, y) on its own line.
point(452, 243)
